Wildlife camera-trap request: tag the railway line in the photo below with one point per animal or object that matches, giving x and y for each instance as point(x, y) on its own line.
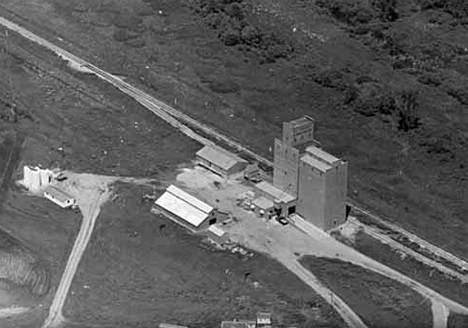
point(186, 125)
point(177, 119)
point(375, 233)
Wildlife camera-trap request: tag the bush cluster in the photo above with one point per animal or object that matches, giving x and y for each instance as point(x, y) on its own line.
point(228, 18)
point(457, 8)
point(357, 12)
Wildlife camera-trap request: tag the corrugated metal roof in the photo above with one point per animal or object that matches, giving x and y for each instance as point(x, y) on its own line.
point(219, 157)
point(322, 155)
point(312, 161)
point(274, 192)
point(181, 208)
point(202, 206)
point(58, 194)
point(217, 230)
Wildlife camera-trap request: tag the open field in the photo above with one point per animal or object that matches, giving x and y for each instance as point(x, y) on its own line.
point(136, 272)
point(450, 287)
point(415, 175)
point(457, 321)
point(65, 124)
point(24, 277)
point(380, 301)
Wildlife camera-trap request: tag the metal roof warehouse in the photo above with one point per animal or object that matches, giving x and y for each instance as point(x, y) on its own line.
point(220, 160)
point(185, 209)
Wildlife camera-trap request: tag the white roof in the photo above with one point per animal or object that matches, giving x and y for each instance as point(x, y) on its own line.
point(58, 194)
point(274, 192)
point(322, 155)
point(312, 161)
point(216, 230)
point(263, 203)
point(219, 157)
point(204, 207)
point(184, 205)
point(181, 209)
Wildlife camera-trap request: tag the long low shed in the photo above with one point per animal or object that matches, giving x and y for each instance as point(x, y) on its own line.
point(220, 161)
point(185, 209)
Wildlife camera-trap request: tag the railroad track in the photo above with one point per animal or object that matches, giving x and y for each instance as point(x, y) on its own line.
point(373, 232)
point(176, 117)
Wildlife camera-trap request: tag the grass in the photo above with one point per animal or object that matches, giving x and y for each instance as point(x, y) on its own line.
point(457, 321)
point(432, 278)
point(137, 274)
point(379, 301)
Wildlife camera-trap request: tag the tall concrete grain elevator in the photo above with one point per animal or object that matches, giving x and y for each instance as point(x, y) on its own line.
point(317, 179)
point(322, 188)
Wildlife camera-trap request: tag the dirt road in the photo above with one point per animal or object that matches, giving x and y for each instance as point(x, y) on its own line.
point(334, 249)
point(90, 193)
point(171, 115)
point(440, 314)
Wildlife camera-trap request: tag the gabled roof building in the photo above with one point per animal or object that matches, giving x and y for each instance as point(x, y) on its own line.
point(220, 161)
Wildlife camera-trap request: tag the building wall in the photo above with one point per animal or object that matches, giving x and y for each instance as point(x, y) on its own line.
point(336, 191)
point(311, 195)
point(209, 165)
point(286, 167)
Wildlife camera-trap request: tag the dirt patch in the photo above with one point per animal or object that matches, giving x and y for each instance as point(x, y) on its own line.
point(379, 301)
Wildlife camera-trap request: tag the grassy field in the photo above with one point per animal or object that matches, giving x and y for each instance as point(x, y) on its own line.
point(432, 278)
point(134, 274)
point(457, 321)
point(293, 58)
point(379, 301)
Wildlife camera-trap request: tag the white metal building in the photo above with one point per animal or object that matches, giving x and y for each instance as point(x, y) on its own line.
point(35, 178)
point(220, 161)
point(59, 197)
point(185, 209)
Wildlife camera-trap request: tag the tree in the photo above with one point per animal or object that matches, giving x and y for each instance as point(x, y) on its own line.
point(408, 118)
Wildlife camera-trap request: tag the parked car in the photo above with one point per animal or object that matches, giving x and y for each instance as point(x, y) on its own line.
point(282, 220)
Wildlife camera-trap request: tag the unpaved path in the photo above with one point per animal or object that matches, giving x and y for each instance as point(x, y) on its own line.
point(172, 116)
point(11, 311)
point(440, 314)
point(90, 193)
point(288, 243)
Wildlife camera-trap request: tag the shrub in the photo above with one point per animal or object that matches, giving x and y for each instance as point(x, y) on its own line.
point(122, 35)
point(250, 35)
point(387, 104)
point(408, 118)
point(386, 8)
point(430, 79)
point(235, 11)
point(459, 93)
point(230, 37)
